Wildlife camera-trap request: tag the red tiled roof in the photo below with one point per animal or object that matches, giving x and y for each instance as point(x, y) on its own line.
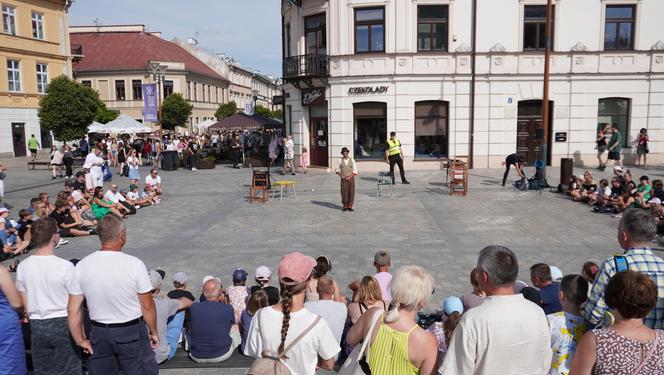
point(131, 50)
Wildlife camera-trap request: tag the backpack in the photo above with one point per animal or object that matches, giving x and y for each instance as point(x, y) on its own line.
point(270, 363)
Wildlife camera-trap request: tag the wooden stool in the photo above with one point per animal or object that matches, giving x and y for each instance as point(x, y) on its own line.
point(259, 185)
point(283, 185)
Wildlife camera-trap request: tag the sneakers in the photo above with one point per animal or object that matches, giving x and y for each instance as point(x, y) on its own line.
point(62, 242)
point(137, 207)
point(194, 169)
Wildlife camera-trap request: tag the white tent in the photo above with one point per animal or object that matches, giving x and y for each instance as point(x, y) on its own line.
point(95, 127)
point(124, 124)
point(202, 126)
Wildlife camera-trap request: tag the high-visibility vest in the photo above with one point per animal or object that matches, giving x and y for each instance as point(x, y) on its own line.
point(394, 147)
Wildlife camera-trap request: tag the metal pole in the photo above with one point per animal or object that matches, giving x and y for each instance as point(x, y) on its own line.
point(471, 145)
point(545, 94)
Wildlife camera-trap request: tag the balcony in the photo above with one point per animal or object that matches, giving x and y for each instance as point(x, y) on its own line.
point(306, 67)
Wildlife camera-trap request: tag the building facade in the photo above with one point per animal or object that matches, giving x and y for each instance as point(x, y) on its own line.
point(114, 60)
point(34, 48)
point(354, 70)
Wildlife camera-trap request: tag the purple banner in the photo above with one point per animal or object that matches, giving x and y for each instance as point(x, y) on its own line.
point(151, 110)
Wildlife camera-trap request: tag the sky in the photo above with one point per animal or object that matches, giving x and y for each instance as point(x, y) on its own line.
point(248, 30)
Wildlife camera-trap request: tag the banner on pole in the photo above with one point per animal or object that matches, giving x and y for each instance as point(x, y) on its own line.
point(150, 100)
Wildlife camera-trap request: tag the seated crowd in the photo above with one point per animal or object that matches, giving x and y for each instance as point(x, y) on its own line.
point(605, 319)
point(76, 210)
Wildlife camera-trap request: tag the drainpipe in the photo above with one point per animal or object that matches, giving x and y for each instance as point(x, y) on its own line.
point(283, 57)
point(473, 55)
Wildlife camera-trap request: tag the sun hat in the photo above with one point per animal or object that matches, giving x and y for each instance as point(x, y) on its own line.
point(345, 149)
point(294, 268)
point(263, 273)
point(452, 304)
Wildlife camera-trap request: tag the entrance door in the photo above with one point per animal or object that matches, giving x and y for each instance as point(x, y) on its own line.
point(318, 152)
point(529, 131)
point(18, 137)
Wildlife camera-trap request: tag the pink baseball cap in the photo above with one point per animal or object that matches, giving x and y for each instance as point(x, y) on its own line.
point(294, 268)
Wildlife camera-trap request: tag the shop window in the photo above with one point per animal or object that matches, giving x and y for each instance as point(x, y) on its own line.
point(431, 129)
point(619, 27)
point(534, 27)
point(615, 111)
point(370, 120)
point(369, 30)
point(432, 27)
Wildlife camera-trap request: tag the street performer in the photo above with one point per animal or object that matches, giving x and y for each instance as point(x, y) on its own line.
point(394, 155)
point(347, 170)
point(93, 163)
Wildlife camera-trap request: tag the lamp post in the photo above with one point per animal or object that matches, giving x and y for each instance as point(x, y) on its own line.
point(158, 74)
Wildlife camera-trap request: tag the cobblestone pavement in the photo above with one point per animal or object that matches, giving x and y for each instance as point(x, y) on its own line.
point(206, 226)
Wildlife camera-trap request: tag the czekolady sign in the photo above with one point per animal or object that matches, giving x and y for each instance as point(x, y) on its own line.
point(367, 90)
point(315, 96)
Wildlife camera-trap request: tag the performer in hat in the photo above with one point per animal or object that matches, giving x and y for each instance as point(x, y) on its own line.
point(347, 170)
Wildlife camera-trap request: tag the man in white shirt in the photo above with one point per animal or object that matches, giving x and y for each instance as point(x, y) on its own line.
point(45, 281)
point(117, 290)
point(153, 181)
point(93, 163)
point(289, 155)
point(113, 194)
point(334, 313)
point(506, 334)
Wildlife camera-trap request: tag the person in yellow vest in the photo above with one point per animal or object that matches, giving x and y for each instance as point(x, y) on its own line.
point(394, 155)
point(347, 170)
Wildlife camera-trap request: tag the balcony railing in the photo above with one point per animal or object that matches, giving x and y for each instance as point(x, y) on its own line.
point(306, 66)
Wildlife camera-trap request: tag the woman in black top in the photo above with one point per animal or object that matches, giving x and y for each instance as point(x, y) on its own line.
point(122, 157)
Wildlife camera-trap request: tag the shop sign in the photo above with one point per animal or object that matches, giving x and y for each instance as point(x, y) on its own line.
point(278, 100)
point(315, 96)
point(561, 137)
point(367, 90)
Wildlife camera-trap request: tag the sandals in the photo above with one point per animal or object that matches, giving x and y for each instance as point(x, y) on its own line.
point(12, 267)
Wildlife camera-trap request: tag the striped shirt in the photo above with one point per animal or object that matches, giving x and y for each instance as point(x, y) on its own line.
point(641, 260)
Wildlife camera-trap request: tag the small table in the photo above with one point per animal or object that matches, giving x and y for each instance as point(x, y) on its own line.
point(283, 184)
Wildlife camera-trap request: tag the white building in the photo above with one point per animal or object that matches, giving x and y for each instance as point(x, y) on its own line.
point(354, 70)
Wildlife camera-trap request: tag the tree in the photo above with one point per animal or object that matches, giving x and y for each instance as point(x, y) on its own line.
point(263, 111)
point(68, 108)
point(175, 111)
point(225, 110)
point(105, 115)
point(278, 114)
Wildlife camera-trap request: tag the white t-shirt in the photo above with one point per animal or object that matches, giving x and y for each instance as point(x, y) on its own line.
point(333, 312)
point(114, 197)
point(132, 195)
point(132, 162)
point(93, 161)
point(47, 281)
point(303, 357)
point(152, 182)
point(111, 282)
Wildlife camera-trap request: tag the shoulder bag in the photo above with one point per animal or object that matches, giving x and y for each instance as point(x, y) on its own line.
point(269, 363)
point(356, 363)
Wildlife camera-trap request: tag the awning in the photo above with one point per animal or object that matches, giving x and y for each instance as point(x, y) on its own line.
point(124, 124)
point(244, 121)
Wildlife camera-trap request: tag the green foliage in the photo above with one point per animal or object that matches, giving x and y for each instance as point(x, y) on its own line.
point(225, 110)
point(175, 111)
point(105, 115)
point(68, 108)
point(263, 111)
point(278, 114)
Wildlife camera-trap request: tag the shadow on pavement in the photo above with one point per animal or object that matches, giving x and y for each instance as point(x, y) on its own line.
point(327, 204)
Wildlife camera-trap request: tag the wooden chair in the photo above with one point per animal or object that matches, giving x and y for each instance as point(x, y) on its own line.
point(259, 186)
point(458, 178)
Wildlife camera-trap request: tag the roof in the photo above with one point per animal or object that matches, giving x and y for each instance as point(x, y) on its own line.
point(241, 120)
point(110, 51)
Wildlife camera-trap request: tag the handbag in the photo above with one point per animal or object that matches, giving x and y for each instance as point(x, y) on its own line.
point(125, 171)
point(108, 175)
point(356, 363)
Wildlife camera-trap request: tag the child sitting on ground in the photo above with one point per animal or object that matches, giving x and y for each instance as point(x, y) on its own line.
point(443, 330)
point(238, 293)
point(601, 196)
point(135, 197)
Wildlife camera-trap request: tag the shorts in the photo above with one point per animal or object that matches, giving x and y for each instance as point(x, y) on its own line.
point(33, 151)
point(642, 149)
point(614, 155)
point(601, 149)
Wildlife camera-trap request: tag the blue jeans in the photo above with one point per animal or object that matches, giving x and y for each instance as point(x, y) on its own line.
point(173, 331)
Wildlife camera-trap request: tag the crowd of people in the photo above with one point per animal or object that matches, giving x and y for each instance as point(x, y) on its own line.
point(107, 313)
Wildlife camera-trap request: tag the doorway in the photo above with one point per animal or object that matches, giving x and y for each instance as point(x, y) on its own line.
point(18, 137)
point(529, 131)
point(46, 139)
point(370, 130)
point(318, 152)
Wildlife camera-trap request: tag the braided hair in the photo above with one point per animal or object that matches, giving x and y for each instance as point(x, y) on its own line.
point(287, 293)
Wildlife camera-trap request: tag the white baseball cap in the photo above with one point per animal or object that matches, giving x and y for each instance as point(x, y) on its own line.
point(263, 273)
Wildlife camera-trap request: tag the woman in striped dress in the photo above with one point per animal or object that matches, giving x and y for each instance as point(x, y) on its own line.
point(399, 345)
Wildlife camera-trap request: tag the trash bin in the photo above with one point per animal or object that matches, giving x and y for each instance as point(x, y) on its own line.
point(176, 159)
point(167, 160)
point(566, 170)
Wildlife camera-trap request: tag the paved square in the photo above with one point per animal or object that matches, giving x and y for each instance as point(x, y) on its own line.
point(206, 226)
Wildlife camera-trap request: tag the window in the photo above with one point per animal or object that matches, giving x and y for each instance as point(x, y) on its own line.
point(432, 27)
point(203, 91)
point(370, 119)
point(168, 88)
point(87, 84)
point(136, 89)
point(120, 90)
point(615, 111)
point(431, 129)
point(42, 78)
point(619, 27)
point(288, 41)
point(534, 27)
point(188, 90)
point(14, 75)
point(195, 91)
point(208, 94)
point(37, 25)
point(369, 30)
point(9, 19)
point(315, 38)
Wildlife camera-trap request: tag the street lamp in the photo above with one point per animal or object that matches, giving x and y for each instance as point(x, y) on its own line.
point(158, 74)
